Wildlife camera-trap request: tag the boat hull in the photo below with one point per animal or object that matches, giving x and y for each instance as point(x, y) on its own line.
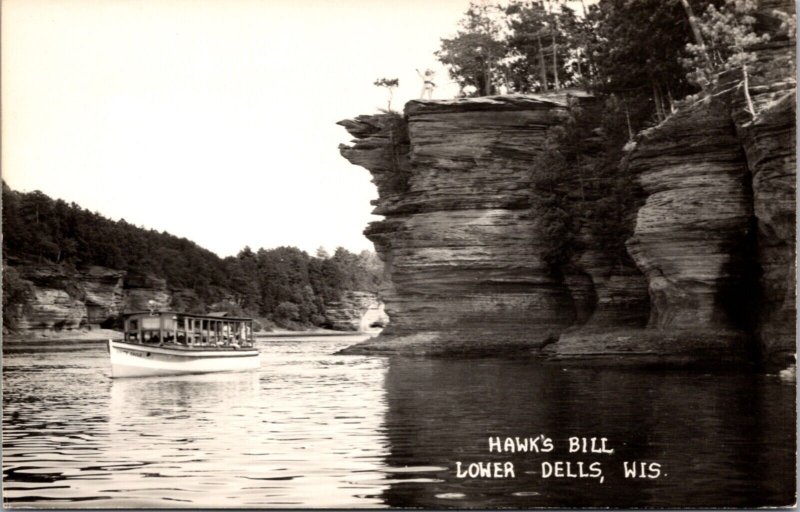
point(136, 360)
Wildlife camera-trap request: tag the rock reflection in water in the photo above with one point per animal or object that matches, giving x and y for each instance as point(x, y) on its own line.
point(722, 439)
point(312, 429)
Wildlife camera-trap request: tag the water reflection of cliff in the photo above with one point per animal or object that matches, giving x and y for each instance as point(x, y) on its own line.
point(721, 439)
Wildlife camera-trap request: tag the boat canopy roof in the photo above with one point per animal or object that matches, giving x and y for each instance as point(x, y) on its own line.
point(216, 317)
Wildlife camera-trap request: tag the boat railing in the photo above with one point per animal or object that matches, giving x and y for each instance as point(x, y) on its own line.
point(194, 346)
point(189, 331)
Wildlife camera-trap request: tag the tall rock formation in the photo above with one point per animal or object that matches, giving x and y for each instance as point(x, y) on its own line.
point(770, 148)
point(692, 233)
point(460, 241)
point(709, 273)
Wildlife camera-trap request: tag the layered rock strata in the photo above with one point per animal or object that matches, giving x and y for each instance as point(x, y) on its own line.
point(692, 233)
point(61, 302)
point(141, 290)
point(710, 262)
point(707, 272)
point(692, 240)
point(62, 299)
point(459, 240)
point(716, 234)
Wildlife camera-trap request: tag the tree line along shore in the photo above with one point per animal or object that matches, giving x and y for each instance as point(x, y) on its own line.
point(282, 287)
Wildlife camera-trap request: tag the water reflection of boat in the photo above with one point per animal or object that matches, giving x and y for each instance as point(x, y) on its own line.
point(168, 343)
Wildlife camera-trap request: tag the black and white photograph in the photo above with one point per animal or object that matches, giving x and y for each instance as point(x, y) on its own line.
point(368, 254)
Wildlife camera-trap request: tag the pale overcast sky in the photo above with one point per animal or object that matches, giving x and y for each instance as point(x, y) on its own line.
point(213, 120)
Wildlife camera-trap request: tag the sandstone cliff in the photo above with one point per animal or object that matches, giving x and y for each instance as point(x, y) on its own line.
point(356, 311)
point(63, 299)
point(459, 240)
point(768, 141)
point(709, 273)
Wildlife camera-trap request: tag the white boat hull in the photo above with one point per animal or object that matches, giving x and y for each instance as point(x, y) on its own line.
point(136, 360)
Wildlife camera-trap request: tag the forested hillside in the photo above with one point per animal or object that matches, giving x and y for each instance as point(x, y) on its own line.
point(285, 284)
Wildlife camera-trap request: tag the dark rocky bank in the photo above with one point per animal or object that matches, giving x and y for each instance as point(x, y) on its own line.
point(67, 302)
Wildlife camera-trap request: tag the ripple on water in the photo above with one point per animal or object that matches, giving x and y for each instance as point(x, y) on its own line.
point(415, 469)
point(451, 496)
point(314, 430)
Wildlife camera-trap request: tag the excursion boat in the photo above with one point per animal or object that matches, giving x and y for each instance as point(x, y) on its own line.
point(169, 343)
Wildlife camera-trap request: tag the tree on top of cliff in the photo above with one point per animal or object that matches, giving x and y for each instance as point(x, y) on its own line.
point(473, 56)
point(524, 46)
point(728, 32)
point(547, 46)
point(639, 48)
point(627, 47)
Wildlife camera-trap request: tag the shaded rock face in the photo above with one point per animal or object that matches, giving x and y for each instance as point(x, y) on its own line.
point(716, 233)
point(770, 148)
point(61, 302)
point(63, 299)
point(355, 312)
point(710, 262)
point(103, 294)
point(459, 240)
point(53, 309)
point(692, 232)
point(709, 265)
point(619, 291)
point(140, 290)
point(606, 286)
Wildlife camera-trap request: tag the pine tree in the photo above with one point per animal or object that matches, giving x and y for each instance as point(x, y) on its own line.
point(729, 33)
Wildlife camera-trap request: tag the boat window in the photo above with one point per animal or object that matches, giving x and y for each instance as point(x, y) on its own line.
point(151, 336)
point(181, 323)
point(134, 325)
point(151, 322)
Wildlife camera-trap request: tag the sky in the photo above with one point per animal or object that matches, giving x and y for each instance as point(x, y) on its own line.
point(212, 120)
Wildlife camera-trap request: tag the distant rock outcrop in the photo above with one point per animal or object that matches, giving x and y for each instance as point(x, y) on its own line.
point(59, 301)
point(357, 311)
point(64, 299)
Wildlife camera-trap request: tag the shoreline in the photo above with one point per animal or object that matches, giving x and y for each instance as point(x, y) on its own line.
point(316, 333)
point(98, 336)
point(69, 337)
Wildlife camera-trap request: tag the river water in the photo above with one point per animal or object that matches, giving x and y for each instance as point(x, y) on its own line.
point(311, 429)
